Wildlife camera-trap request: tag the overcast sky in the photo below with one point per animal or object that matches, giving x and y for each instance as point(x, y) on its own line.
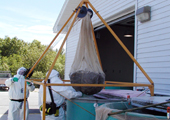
point(29, 19)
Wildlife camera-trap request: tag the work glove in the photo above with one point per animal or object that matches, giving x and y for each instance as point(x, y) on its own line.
point(28, 83)
point(15, 79)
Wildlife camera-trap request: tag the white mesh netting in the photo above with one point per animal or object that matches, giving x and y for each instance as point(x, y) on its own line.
point(86, 68)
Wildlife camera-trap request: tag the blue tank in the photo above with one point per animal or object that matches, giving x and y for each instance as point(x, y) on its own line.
point(74, 112)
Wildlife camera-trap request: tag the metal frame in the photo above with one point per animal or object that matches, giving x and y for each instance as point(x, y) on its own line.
point(120, 84)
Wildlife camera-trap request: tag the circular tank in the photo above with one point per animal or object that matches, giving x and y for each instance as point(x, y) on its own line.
point(74, 112)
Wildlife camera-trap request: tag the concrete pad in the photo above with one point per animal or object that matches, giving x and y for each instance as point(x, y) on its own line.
point(31, 117)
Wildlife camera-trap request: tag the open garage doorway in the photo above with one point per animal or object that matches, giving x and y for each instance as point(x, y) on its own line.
point(116, 63)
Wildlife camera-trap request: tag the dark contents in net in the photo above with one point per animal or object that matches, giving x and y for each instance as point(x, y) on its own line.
point(83, 77)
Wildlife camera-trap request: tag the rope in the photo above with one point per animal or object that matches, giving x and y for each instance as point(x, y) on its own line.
point(78, 19)
point(52, 46)
point(129, 110)
point(73, 102)
point(143, 92)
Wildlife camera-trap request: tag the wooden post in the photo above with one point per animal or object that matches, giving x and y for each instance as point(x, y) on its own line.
point(151, 88)
point(121, 43)
point(113, 82)
point(44, 100)
point(95, 43)
point(63, 43)
point(25, 97)
point(44, 86)
point(50, 44)
point(98, 85)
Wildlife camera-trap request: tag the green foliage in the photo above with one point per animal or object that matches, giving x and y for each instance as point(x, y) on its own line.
point(38, 75)
point(4, 64)
point(14, 61)
point(60, 64)
point(15, 53)
point(12, 46)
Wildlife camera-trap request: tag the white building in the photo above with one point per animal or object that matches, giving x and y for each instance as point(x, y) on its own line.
point(150, 43)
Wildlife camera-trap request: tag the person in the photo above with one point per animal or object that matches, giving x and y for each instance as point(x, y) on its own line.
point(66, 91)
point(16, 95)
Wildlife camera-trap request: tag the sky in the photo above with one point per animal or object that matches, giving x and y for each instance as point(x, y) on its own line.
point(30, 19)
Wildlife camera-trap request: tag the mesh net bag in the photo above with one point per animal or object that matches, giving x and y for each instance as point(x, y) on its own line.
point(86, 68)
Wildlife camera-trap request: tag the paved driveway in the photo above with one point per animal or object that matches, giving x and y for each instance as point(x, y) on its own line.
point(33, 105)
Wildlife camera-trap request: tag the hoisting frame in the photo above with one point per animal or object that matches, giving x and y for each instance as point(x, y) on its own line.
point(111, 83)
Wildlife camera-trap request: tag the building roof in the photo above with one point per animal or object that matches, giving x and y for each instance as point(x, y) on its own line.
point(67, 9)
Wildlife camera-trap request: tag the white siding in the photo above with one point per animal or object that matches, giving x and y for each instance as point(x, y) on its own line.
point(106, 8)
point(153, 45)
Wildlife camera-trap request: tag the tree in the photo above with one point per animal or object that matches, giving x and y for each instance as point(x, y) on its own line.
point(4, 64)
point(1, 68)
point(15, 61)
point(15, 53)
point(60, 64)
point(12, 46)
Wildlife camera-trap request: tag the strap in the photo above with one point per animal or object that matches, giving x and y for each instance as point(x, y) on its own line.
point(49, 88)
point(17, 100)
